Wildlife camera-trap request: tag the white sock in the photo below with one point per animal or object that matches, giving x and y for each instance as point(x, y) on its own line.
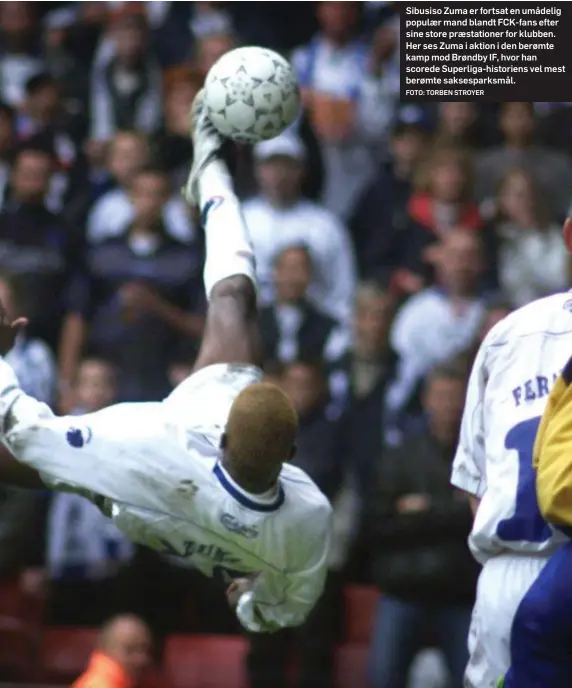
point(228, 245)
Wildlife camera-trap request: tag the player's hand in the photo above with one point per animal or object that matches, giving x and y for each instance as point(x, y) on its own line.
point(236, 589)
point(9, 330)
point(413, 503)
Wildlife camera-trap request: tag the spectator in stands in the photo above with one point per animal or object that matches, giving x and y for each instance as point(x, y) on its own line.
point(171, 147)
point(551, 170)
point(439, 322)
point(269, 657)
point(532, 261)
point(42, 121)
point(123, 656)
point(36, 245)
point(80, 553)
point(457, 125)
point(418, 532)
point(182, 364)
point(7, 145)
point(141, 295)
point(211, 46)
point(31, 359)
point(442, 201)
point(19, 53)
point(126, 83)
point(292, 328)
point(495, 312)
point(113, 211)
point(279, 217)
point(380, 216)
point(350, 90)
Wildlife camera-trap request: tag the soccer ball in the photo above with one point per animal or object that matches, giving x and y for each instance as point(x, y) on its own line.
point(251, 94)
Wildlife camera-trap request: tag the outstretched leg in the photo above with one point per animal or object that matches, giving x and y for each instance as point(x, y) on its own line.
point(231, 332)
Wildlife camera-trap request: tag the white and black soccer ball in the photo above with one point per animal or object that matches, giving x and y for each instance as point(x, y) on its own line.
point(251, 94)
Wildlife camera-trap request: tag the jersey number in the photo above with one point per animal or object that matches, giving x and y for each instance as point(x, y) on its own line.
point(526, 524)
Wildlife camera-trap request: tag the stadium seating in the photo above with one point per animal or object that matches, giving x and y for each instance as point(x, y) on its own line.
point(351, 661)
point(16, 649)
point(16, 604)
point(206, 661)
point(64, 653)
point(361, 603)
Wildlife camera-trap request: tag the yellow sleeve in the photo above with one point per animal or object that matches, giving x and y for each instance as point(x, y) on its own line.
point(552, 456)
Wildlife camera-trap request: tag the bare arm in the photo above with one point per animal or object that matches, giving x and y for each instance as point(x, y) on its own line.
point(231, 331)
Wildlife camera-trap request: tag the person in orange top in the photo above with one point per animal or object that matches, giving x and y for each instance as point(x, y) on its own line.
point(122, 656)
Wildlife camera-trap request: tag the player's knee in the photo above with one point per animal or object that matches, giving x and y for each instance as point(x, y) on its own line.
point(240, 289)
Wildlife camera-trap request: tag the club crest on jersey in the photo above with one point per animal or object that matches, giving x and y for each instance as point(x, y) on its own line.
point(232, 524)
point(78, 437)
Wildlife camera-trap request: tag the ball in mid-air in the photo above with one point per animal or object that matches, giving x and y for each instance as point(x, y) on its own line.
point(251, 94)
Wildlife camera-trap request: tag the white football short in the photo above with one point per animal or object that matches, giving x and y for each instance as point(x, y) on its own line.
point(503, 582)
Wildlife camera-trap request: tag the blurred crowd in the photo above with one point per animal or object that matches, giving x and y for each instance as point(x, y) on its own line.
point(389, 239)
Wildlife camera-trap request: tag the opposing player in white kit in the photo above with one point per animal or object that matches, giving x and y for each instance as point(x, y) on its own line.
point(509, 386)
point(202, 475)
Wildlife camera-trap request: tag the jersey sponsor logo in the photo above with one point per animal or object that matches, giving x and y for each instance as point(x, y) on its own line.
point(232, 524)
point(534, 388)
point(78, 437)
point(212, 204)
point(191, 548)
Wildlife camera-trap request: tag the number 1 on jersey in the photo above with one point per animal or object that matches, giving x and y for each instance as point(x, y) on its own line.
point(526, 524)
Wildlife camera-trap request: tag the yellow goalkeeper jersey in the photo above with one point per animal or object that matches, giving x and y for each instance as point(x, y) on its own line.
point(553, 453)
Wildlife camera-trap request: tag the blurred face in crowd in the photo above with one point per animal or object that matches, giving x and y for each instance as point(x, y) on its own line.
point(455, 119)
point(460, 262)
point(448, 180)
point(7, 298)
point(372, 316)
point(443, 402)
point(516, 198)
point(129, 643)
point(517, 123)
point(280, 179)
point(17, 22)
point(131, 42)
point(407, 147)
point(95, 386)
point(149, 193)
point(210, 48)
point(128, 154)
point(179, 372)
point(6, 132)
point(305, 385)
point(44, 102)
point(338, 20)
point(292, 274)
point(31, 176)
point(177, 107)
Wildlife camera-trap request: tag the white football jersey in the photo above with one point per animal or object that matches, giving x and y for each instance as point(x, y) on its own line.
point(154, 469)
point(514, 371)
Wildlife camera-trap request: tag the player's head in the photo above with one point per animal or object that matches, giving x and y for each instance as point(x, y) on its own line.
point(260, 435)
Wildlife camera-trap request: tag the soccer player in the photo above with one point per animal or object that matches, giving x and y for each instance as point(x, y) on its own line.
point(202, 475)
point(541, 639)
point(515, 368)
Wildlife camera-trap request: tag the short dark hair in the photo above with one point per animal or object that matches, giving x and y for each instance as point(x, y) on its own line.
point(39, 81)
point(37, 149)
point(7, 111)
point(453, 369)
point(298, 246)
point(152, 171)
